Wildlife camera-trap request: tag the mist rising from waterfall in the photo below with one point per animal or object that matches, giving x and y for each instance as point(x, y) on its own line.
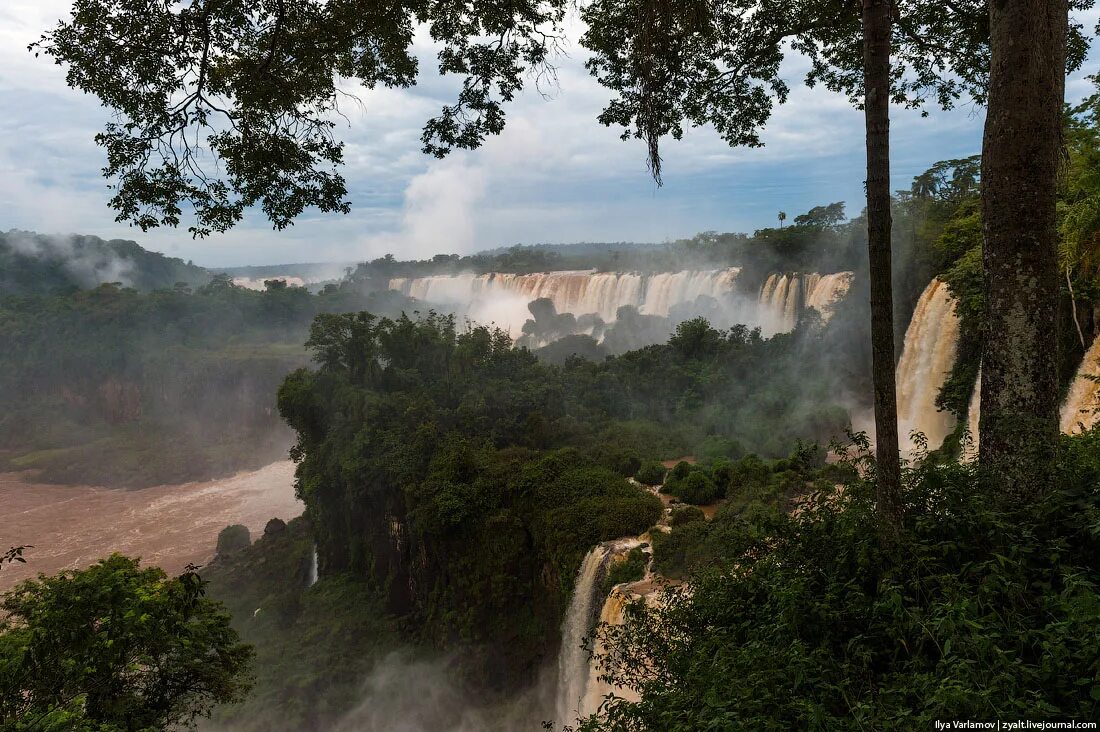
point(931, 341)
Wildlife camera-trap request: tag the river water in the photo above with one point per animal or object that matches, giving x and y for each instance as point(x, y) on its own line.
point(169, 525)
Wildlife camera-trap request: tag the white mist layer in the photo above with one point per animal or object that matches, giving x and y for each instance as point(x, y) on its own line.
point(931, 341)
point(403, 694)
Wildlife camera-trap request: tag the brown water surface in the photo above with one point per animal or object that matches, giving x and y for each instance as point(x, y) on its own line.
point(169, 525)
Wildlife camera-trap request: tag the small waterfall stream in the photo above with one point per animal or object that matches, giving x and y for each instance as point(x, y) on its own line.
point(574, 659)
point(311, 578)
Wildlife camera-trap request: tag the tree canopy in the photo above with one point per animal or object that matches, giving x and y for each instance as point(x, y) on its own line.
point(116, 648)
point(221, 105)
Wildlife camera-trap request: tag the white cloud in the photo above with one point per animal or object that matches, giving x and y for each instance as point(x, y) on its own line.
point(554, 175)
point(439, 213)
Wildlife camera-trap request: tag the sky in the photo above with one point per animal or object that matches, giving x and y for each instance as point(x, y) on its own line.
point(554, 175)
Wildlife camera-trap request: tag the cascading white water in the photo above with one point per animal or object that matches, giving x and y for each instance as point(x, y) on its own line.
point(1079, 410)
point(1083, 399)
point(926, 360)
point(573, 660)
point(502, 297)
point(783, 296)
point(823, 291)
point(311, 579)
point(597, 689)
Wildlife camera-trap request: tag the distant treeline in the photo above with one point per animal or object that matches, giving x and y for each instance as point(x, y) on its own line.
point(819, 240)
point(33, 263)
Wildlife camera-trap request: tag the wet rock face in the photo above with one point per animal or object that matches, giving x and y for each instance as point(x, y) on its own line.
point(232, 539)
point(274, 527)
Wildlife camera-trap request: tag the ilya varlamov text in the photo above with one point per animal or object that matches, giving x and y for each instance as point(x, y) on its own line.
point(1015, 724)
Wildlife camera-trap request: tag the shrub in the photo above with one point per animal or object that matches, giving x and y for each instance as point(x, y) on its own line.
point(233, 538)
point(718, 448)
point(748, 472)
point(274, 526)
point(723, 472)
point(630, 568)
point(685, 515)
point(696, 488)
point(651, 473)
point(680, 470)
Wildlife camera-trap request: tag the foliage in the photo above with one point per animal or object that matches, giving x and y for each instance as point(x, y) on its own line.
point(978, 613)
point(432, 463)
point(35, 264)
point(651, 473)
point(220, 106)
point(672, 64)
point(630, 568)
point(695, 487)
point(1079, 207)
point(685, 515)
point(116, 647)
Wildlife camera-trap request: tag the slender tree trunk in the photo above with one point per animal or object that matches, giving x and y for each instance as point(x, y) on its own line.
point(876, 74)
point(1023, 129)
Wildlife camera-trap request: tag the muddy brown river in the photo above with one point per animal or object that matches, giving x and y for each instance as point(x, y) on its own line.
point(170, 525)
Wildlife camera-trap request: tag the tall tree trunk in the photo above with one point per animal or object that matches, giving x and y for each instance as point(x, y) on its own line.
point(1023, 130)
point(876, 74)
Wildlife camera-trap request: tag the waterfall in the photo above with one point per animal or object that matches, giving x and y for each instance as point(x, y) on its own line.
point(1079, 410)
point(783, 296)
point(774, 305)
point(311, 578)
point(502, 298)
point(823, 291)
point(574, 660)
point(926, 361)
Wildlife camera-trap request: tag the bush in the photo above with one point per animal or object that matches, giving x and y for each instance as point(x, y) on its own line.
point(680, 470)
point(630, 568)
point(233, 538)
point(652, 473)
point(685, 515)
point(718, 448)
point(723, 472)
point(748, 472)
point(696, 488)
point(274, 526)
